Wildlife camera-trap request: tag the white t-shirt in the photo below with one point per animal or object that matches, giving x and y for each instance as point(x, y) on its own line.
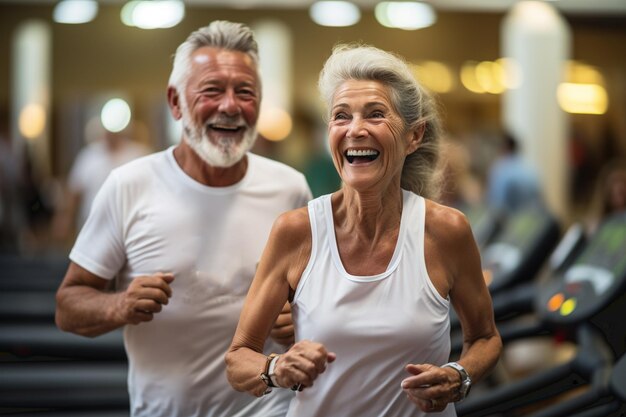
point(375, 324)
point(92, 166)
point(150, 217)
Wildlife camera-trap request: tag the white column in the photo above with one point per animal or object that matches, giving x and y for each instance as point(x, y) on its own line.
point(30, 107)
point(274, 39)
point(537, 40)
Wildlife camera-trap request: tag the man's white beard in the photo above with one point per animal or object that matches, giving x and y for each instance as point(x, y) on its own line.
point(227, 151)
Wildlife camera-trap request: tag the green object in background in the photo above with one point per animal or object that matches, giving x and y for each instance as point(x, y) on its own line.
point(322, 175)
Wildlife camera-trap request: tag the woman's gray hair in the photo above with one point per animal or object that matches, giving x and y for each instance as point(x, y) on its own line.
point(219, 34)
point(413, 103)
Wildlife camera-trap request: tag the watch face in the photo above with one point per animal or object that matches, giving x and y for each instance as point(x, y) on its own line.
point(466, 382)
point(465, 388)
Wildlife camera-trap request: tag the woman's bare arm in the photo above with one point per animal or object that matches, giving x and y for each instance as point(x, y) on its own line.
point(453, 263)
point(472, 302)
point(284, 259)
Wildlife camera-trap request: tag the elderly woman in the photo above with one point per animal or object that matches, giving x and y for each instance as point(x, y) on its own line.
point(371, 269)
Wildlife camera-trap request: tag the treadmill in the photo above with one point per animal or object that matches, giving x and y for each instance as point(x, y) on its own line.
point(585, 303)
point(515, 255)
point(520, 249)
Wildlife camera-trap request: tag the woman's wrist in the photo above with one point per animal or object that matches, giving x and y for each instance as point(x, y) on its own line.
point(271, 371)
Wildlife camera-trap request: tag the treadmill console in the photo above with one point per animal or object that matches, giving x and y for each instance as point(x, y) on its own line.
point(519, 248)
point(593, 281)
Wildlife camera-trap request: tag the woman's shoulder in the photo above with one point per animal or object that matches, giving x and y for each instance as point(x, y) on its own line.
point(445, 222)
point(292, 226)
point(289, 246)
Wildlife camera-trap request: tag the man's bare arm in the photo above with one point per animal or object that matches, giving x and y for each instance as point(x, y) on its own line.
point(86, 307)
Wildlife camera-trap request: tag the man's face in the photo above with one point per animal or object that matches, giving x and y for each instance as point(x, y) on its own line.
point(220, 105)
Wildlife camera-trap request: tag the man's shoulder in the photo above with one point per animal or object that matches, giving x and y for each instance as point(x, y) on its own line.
point(265, 171)
point(275, 167)
point(134, 150)
point(142, 168)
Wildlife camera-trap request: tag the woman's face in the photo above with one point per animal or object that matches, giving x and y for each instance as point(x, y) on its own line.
point(368, 140)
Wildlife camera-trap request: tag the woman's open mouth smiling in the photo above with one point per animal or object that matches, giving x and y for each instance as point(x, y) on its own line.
point(361, 156)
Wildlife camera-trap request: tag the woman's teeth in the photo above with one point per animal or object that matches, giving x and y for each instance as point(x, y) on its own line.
point(366, 154)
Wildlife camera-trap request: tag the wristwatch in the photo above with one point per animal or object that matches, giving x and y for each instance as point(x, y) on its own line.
point(466, 381)
point(271, 370)
point(268, 371)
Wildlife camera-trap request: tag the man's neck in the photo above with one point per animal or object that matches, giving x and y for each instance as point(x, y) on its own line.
point(206, 174)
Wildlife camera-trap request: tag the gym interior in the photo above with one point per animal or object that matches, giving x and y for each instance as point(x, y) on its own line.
point(550, 73)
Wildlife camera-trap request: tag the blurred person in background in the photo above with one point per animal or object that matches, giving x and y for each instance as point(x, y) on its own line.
point(459, 187)
point(26, 202)
point(371, 270)
point(462, 190)
point(11, 213)
point(180, 233)
point(512, 182)
point(90, 169)
point(610, 193)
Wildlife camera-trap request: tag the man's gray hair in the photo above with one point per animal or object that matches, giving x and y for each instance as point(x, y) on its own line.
point(219, 34)
point(413, 103)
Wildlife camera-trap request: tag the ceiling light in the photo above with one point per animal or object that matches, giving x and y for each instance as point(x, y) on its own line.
point(578, 72)
point(405, 15)
point(582, 98)
point(156, 14)
point(75, 11)
point(468, 77)
point(334, 13)
point(32, 120)
point(490, 77)
point(274, 124)
point(115, 115)
point(487, 77)
point(435, 76)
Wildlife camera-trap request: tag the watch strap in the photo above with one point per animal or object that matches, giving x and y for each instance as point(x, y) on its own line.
point(265, 375)
point(466, 381)
point(271, 370)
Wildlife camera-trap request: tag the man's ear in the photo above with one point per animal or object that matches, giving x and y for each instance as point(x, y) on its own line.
point(416, 138)
point(173, 100)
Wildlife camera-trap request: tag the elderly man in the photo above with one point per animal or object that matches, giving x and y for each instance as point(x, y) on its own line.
point(180, 232)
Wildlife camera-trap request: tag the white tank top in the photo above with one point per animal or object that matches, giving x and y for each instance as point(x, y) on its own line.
point(375, 324)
